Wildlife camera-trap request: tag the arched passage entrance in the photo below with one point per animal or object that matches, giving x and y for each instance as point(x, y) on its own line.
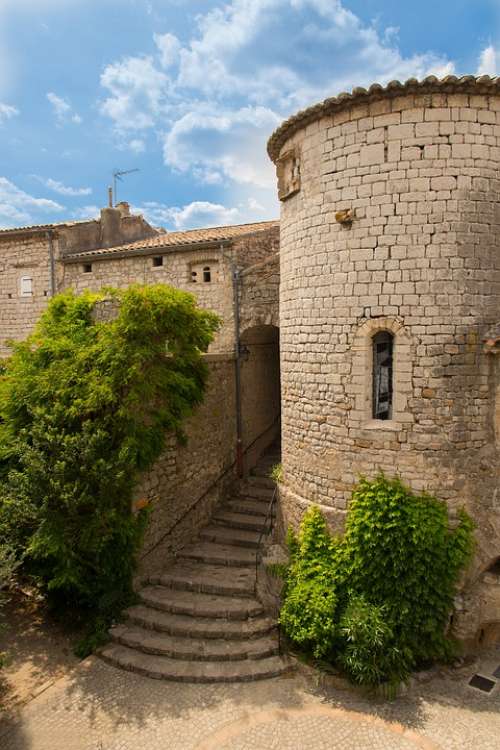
point(260, 390)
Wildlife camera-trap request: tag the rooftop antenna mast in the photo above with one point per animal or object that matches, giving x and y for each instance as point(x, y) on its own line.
point(118, 175)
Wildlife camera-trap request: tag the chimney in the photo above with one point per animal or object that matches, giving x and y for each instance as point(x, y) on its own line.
point(110, 227)
point(124, 208)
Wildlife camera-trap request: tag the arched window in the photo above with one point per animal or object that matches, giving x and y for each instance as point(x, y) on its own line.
point(207, 276)
point(382, 344)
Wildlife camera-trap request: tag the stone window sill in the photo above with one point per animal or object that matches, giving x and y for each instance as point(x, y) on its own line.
point(389, 425)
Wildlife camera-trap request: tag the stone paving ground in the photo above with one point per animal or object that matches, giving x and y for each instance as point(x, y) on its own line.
point(98, 707)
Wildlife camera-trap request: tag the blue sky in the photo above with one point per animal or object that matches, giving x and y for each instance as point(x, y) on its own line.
point(188, 91)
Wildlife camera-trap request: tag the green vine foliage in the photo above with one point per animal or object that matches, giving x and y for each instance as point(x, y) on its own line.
point(402, 554)
point(368, 650)
point(313, 582)
point(84, 409)
point(378, 600)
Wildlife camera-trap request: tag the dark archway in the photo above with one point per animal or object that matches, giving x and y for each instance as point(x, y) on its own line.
point(260, 390)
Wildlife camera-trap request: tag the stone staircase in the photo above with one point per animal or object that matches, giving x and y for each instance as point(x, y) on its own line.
point(200, 620)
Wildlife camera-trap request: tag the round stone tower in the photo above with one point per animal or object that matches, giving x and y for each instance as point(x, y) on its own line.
point(390, 283)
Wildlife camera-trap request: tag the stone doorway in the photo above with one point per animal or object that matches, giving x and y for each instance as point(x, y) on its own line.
point(260, 390)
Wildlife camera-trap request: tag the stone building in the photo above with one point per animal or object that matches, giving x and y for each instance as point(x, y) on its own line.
point(387, 329)
point(31, 267)
point(390, 303)
point(233, 271)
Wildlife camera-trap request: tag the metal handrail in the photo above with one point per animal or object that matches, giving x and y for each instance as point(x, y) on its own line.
point(269, 515)
point(192, 507)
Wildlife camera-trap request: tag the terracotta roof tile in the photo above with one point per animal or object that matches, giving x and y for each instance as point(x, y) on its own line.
point(170, 240)
point(42, 227)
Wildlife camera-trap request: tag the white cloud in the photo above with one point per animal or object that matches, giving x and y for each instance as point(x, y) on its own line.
point(215, 97)
point(136, 90)
point(222, 144)
point(86, 212)
point(136, 145)
point(191, 216)
point(59, 187)
point(7, 111)
point(16, 205)
point(169, 47)
point(489, 62)
point(275, 52)
point(63, 110)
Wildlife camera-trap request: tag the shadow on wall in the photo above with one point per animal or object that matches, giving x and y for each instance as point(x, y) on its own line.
point(260, 390)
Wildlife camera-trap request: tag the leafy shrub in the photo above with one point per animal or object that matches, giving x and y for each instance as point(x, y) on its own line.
point(308, 616)
point(277, 473)
point(310, 604)
point(369, 654)
point(402, 554)
point(377, 601)
point(84, 408)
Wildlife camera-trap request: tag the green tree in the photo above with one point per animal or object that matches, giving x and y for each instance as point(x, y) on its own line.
point(84, 408)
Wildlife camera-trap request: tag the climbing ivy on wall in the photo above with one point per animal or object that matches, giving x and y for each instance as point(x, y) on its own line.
point(84, 409)
point(377, 601)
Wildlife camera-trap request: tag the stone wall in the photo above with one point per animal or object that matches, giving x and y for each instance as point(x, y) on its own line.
point(189, 480)
point(260, 390)
point(25, 254)
point(176, 271)
point(22, 256)
point(177, 267)
point(259, 293)
point(257, 247)
point(392, 224)
point(115, 226)
point(260, 376)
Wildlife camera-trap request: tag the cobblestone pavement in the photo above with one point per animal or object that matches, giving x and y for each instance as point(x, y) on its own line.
point(98, 707)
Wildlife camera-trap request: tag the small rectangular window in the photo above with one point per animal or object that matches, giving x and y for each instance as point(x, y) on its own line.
point(87, 268)
point(157, 261)
point(382, 375)
point(26, 286)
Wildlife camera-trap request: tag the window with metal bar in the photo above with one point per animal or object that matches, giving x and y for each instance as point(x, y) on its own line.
point(383, 344)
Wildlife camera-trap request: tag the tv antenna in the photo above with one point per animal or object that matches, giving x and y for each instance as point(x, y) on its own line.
point(118, 176)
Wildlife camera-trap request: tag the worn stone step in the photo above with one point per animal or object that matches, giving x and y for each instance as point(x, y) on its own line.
point(161, 667)
point(201, 627)
point(194, 649)
point(269, 461)
point(236, 537)
point(260, 481)
point(190, 575)
point(248, 490)
point(249, 507)
point(196, 604)
point(219, 554)
point(240, 520)
point(263, 472)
